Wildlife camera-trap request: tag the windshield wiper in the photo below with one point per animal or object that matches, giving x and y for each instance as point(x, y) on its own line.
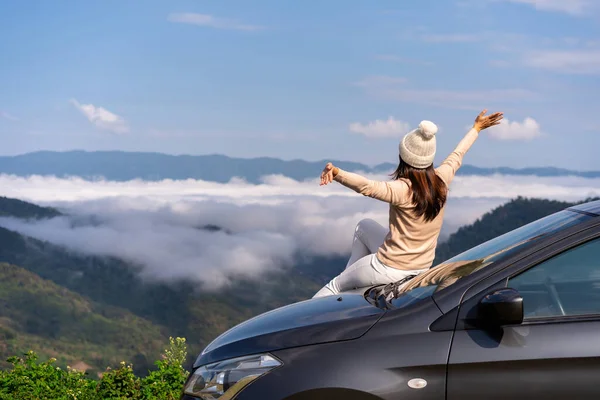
point(383, 302)
point(391, 291)
point(376, 298)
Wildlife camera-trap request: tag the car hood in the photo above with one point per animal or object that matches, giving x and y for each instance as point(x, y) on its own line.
point(320, 320)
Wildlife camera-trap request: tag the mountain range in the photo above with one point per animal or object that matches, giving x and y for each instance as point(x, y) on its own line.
point(124, 166)
point(93, 312)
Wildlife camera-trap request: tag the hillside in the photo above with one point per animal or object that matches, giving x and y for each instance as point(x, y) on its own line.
point(39, 315)
point(502, 219)
point(123, 166)
point(22, 209)
point(180, 307)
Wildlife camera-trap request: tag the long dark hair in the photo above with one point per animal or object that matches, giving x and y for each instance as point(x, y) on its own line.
point(429, 191)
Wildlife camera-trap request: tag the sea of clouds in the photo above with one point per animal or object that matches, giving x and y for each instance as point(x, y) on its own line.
point(264, 226)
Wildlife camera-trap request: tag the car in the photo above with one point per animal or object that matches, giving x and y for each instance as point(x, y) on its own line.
point(517, 317)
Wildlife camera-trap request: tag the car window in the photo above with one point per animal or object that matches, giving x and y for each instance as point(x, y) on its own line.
point(565, 285)
point(464, 264)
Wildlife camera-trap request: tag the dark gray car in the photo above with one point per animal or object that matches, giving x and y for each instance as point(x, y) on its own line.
point(517, 317)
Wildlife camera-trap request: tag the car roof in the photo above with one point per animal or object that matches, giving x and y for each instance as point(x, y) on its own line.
point(591, 207)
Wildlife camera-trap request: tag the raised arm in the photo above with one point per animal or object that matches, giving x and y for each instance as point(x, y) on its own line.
point(453, 162)
point(393, 192)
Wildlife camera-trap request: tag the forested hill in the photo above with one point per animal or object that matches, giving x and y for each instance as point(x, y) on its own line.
point(499, 221)
point(24, 210)
point(37, 314)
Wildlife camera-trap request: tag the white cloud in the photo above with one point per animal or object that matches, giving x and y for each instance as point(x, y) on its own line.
point(380, 128)
point(211, 21)
point(6, 115)
point(274, 190)
point(452, 38)
point(573, 7)
point(500, 63)
point(566, 54)
point(512, 130)
point(467, 99)
point(403, 60)
point(155, 224)
point(393, 89)
point(102, 118)
point(583, 61)
point(501, 186)
point(380, 80)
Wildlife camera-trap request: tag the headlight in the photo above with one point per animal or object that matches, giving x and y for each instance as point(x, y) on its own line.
point(225, 379)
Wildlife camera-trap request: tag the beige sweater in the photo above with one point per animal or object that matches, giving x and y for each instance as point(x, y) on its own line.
point(411, 242)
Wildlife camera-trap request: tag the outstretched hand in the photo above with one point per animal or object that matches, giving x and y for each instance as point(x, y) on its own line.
point(487, 121)
point(328, 174)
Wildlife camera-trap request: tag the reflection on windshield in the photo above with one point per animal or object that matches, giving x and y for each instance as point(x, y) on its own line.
point(473, 260)
point(414, 295)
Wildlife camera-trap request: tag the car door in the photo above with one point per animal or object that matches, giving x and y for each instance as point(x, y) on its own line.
point(555, 352)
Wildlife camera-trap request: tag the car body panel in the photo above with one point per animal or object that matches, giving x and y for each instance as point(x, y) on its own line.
point(379, 365)
point(321, 320)
point(545, 361)
point(555, 358)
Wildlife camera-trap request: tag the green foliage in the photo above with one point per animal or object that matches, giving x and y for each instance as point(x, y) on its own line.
point(167, 382)
point(120, 383)
point(32, 380)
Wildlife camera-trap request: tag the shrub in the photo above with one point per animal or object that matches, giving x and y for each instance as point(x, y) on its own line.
point(29, 379)
point(120, 383)
point(166, 382)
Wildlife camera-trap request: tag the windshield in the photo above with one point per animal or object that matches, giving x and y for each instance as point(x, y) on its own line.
point(464, 264)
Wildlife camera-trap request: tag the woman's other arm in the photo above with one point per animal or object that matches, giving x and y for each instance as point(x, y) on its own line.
point(453, 162)
point(391, 192)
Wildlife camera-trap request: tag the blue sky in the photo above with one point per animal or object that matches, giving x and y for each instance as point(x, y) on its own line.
point(305, 79)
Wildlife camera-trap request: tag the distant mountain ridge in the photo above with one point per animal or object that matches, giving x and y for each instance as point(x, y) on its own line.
point(125, 166)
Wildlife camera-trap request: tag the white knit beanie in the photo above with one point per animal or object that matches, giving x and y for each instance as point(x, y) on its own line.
point(417, 148)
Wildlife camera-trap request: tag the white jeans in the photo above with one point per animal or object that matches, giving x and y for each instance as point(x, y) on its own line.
point(364, 268)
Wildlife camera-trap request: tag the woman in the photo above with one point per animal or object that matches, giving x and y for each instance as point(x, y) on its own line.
point(417, 197)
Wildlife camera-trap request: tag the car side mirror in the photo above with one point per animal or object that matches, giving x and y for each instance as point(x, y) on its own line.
point(501, 307)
